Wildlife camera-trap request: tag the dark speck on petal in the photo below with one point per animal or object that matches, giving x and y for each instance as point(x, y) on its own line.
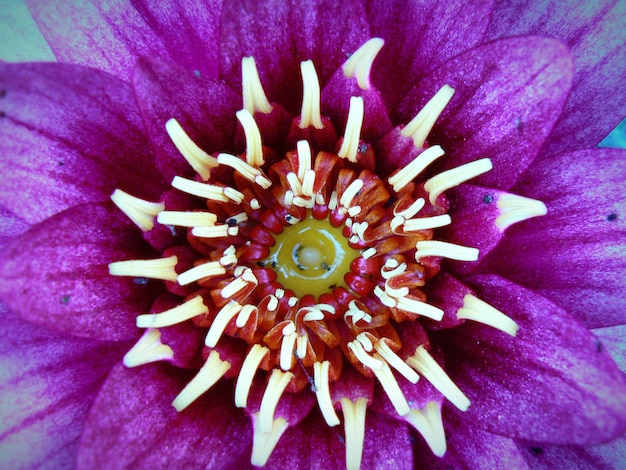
point(140, 281)
point(611, 217)
point(598, 345)
point(536, 450)
point(488, 199)
point(65, 299)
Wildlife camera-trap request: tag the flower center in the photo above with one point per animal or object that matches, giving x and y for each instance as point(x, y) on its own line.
point(311, 257)
point(309, 271)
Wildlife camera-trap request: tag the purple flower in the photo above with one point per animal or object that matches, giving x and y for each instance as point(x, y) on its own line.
point(535, 88)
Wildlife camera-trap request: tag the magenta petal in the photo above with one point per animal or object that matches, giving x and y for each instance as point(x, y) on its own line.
point(204, 108)
point(595, 33)
point(475, 211)
point(610, 456)
point(552, 383)
point(419, 36)
point(612, 338)
point(47, 383)
point(132, 423)
point(10, 226)
point(56, 274)
point(575, 255)
point(509, 94)
point(69, 135)
point(470, 447)
point(111, 35)
point(314, 445)
point(281, 34)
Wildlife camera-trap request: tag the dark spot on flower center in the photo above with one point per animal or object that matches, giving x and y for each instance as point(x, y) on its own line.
point(536, 450)
point(488, 199)
point(140, 281)
point(65, 299)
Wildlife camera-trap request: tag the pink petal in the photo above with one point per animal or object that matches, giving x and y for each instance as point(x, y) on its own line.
point(509, 94)
point(326, 32)
point(470, 447)
point(314, 445)
point(69, 135)
point(612, 338)
point(111, 35)
point(611, 456)
point(575, 255)
point(419, 36)
point(10, 226)
point(133, 424)
point(56, 274)
point(552, 383)
point(204, 108)
point(47, 383)
point(595, 33)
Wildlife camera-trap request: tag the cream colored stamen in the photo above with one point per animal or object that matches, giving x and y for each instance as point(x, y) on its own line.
point(244, 277)
point(359, 65)
point(350, 193)
point(217, 231)
point(275, 388)
point(352, 135)
point(394, 361)
point(310, 114)
point(357, 348)
point(244, 315)
point(391, 388)
point(254, 147)
point(287, 349)
point(322, 392)
point(254, 99)
point(407, 174)
point(185, 311)
point(263, 443)
point(392, 268)
point(244, 169)
point(203, 190)
point(367, 254)
point(200, 161)
point(424, 363)
point(425, 223)
point(389, 298)
point(410, 211)
point(454, 177)
point(148, 349)
point(202, 271)
point(223, 317)
point(421, 125)
point(429, 424)
point(479, 311)
point(514, 209)
point(248, 369)
point(141, 212)
point(161, 268)
point(354, 428)
point(212, 370)
point(187, 219)
point(445, 250)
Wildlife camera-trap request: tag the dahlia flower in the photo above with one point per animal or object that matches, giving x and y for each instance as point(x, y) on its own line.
point(369, 234)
